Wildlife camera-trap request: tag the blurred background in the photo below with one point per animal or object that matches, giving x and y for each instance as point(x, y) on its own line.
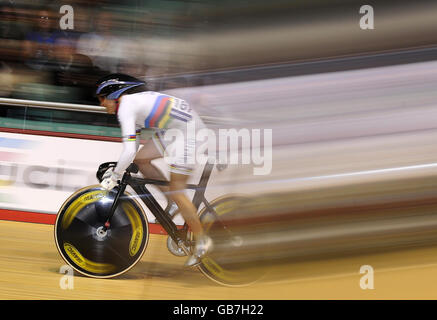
point(353, 112)
point(41, 61)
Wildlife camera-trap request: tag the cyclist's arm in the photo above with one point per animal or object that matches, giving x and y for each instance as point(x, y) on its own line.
point(130, 143)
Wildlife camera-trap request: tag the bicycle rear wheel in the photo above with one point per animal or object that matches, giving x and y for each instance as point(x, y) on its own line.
point(86, 247)
point(229, 263)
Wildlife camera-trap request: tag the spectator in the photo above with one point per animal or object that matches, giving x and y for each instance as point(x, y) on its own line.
point(38, 46)
point(11, 34)
point(102, 46)
point(74, 71)
point(10, 27)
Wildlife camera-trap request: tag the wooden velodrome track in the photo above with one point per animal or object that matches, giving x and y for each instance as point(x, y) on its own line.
point(30, 269)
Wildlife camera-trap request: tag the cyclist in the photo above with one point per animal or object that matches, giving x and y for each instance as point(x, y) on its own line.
point(138, 108)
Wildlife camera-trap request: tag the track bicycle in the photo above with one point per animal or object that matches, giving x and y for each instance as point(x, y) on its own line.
point(103, 234)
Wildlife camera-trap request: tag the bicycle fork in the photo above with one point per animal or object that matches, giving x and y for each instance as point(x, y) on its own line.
point(121, 189)
point(178, 236)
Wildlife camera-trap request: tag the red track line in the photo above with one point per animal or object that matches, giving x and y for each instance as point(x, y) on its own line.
point(60, 134)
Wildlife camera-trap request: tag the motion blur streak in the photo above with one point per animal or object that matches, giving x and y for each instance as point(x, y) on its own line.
point(354, 163)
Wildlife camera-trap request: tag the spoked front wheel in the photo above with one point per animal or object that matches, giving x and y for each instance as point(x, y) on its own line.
point(231, 262)
point(90, 249)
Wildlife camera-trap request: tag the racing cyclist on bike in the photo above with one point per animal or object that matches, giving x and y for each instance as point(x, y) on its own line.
point(138, 108)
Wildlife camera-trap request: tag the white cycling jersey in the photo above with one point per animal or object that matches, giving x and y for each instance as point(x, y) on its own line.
point(159, 112)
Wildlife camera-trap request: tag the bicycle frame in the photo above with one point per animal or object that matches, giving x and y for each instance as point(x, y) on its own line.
point(139, 186)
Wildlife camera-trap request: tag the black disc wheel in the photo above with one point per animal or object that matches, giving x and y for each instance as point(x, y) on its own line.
point(90, 249)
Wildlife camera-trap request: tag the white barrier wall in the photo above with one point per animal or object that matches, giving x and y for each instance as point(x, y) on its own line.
point(38, 173)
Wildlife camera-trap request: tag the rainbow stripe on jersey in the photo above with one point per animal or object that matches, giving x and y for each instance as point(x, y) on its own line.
point(163, 110)
point(133, 137)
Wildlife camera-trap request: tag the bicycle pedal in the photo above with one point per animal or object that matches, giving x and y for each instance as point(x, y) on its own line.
point(193, 261)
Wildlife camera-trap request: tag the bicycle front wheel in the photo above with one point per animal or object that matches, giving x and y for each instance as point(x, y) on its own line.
point(87, 247)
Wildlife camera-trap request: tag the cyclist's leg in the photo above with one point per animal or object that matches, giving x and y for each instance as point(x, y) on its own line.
point(148, 152)
point(180, 170)
point(181, 156)
point(178, 184)
point(203, 244)
point(143, 159)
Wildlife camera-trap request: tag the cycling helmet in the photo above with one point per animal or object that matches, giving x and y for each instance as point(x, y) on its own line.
point(113, 85)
